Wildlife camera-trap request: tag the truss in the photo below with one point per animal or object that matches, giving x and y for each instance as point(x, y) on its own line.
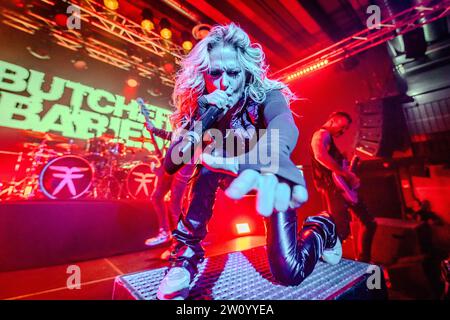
point(112, 23)
point(388, 29)
point(125, 29)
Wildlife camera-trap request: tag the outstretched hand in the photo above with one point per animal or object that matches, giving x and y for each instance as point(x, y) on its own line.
point(271, 193)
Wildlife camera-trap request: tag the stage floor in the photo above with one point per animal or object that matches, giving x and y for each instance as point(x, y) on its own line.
point(246, 275)
point(97, 276)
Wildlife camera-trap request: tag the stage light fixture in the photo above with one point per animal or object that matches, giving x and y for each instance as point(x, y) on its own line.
point(165, 31)
point(39, 52)
point(19, 3)
point(169, 67)
point(61, 19)
point(200, 31)
point(60, 15)
point(154, 92)
point(111, 4)
point(242, 228)
point(41, 45)
point(147, 25)
point(147, 20)
point(79, 63)
point(132, 82)
point(307, 69)
point(168, 64)
point(187, 43)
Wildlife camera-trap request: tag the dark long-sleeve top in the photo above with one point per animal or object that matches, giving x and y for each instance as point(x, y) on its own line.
point(275, 114)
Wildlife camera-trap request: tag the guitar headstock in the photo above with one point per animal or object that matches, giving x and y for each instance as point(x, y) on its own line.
point(143, 108)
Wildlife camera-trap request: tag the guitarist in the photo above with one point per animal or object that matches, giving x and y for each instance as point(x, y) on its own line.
point(326, 160)
point(168, 217)
point(162, 185)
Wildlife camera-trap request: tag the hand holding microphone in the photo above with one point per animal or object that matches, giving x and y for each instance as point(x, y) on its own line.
point(219, 102)
point(222, 99)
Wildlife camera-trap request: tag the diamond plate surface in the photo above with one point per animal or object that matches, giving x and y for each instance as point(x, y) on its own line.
point(246, 275)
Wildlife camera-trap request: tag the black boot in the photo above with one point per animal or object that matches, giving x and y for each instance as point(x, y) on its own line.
point(293, 258)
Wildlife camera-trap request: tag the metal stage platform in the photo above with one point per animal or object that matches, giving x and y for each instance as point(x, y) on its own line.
point(246, 275)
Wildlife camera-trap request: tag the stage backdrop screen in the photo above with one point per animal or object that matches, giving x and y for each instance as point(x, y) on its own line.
point(30, 100)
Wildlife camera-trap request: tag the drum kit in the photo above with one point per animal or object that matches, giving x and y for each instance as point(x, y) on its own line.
point(57, 168)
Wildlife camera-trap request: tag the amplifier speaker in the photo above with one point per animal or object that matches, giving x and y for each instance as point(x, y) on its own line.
point(395, 239)
point(382, 127)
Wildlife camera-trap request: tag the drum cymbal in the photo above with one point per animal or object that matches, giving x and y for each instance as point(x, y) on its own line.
point(44, 135)
point(141, 139)
point(30, 145)
point(47, 153)
point(67, 146)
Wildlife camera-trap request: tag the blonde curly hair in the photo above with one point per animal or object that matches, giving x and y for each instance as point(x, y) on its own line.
point(190, 83)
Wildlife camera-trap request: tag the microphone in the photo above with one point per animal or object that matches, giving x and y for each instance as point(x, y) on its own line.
point(194, 136)
point(186, 147)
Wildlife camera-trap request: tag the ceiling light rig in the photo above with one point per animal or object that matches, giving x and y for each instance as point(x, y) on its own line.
point(388, 29)
point(154, 92)
point(98, 16)
point(307, 70)
point(21, 4)
point(168, 65)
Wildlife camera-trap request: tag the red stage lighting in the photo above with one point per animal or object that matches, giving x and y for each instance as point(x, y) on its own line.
point(242, 228)
point(79, 64)
point(19, 4)
point(169, 67)
point(308, 69)
point(132, 82)
point(111, 4)
point(187, 43)
point(61, 19)
point(165, 27)
point(147, 20)
point(200, 31)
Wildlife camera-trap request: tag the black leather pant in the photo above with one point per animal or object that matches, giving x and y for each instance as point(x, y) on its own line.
point(197, 210)
point(291, 257)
